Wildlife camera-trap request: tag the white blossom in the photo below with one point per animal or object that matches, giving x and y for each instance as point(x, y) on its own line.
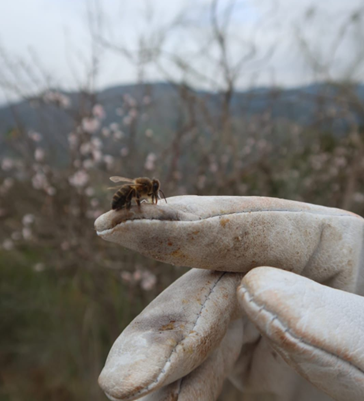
point(79, 179)
point(34, 136)
point(8, 245)
point(149, 162)
point(124, 151)
point(7, 164)
point(98, 111)
point(39, 154)
point(90, 124)
point(28, 219)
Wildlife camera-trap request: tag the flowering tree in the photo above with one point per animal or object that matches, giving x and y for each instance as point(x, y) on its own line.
point(54, 174)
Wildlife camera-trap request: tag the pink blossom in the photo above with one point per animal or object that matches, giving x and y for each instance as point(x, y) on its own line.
point(214, 167)
point(35, 136)
point(39, 180)
point(28, 219)
point(65, 246)
point(79, 179)
point(94, 202)
point(39, 154)
point(8, 245)
point(126, 276)
point(51, 191)
point(27, 233)
point(133, 113)
point(89, 191)
point(129, 100)
point(105, 132)
point(149, 162)
point(94, 214)
point(57, 98)
point(77, 163)
point(72, 140)
point(247, 150)
point(146, 100)
point(177, 175)
point(7, 164)
point(16, 236)
point(114, 126)
point(127, 120)
point(358, 197)
point(90, 124)
point(124, 151)
point(97, 155)
point(8, 182)
point(38, 267)
point(85, 148)
point(118, 135)
point(109, 161)
point(96, 143)
point(340, 161)
point(149, 281)
point(98, 111)
point(262, 144)
point(137, 275)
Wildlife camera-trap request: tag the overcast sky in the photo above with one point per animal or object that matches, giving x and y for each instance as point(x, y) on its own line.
point(58, 33)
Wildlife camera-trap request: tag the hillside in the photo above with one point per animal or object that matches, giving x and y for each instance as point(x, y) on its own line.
point(301, 105)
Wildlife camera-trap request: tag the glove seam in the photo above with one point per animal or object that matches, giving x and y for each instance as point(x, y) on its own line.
point(163, 370)
point(287, 331)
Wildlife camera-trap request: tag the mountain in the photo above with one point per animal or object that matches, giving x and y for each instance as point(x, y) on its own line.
point(300, 105)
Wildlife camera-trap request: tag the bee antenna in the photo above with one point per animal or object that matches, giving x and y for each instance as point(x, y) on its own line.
point(163, 195)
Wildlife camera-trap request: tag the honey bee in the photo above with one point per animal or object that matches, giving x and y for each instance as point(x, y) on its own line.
point(139, 188)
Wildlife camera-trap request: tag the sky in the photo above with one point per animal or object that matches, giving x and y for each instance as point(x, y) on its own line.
point(48, 42)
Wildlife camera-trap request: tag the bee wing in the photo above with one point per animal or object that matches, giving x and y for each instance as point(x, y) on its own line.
point(120, 179)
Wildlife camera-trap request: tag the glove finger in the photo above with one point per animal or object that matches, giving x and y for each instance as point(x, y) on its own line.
point(172, 336)
point(318, 330)
point(205, 382)
point(238, 233)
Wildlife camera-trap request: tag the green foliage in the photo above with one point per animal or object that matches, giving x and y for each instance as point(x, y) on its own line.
point(57, 327)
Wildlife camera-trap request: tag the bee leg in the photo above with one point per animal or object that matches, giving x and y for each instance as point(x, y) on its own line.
point(163, 195)
point(129, 198)
point(137, 197)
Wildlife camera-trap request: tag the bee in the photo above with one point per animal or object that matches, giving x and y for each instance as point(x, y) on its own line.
point(139, 188)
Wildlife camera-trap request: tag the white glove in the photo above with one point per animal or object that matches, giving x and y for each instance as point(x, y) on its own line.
point(280, 330)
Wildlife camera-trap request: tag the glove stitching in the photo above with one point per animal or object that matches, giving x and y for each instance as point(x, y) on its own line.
point(294, 336)
point(163, 370)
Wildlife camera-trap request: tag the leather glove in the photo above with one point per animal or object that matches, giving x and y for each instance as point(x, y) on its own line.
point(272, 302)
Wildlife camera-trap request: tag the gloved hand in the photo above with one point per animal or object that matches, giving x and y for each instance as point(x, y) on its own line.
point(295, 329)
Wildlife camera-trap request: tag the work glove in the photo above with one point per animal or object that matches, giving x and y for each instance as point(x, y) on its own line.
point(273, 301)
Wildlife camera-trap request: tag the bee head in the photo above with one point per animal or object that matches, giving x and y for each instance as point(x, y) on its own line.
point(156, 184)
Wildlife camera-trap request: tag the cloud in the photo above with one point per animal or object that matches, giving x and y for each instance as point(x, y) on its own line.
point(59, 33)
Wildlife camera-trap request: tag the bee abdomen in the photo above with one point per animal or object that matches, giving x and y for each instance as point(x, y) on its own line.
point(118, 200)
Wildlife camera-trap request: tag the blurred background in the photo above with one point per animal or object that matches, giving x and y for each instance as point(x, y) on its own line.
point(212, 97)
